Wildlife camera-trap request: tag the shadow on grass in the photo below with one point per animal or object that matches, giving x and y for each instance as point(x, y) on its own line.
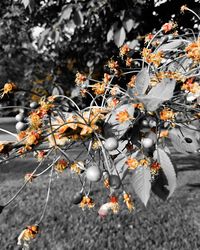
point(161, 225)
point(194, 185)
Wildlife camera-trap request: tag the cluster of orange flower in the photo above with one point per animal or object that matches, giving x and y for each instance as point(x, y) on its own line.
point(8, 88)
point(154, 58)
point(86, 202)
point(191, 86)
point(155, 79)
point(193, 50)
point(167, 114)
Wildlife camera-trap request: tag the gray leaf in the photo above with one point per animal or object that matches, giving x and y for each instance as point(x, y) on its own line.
point(119, 37)
point(142, 183)
point(167, 168)
point(158, 94)
point(142, 81)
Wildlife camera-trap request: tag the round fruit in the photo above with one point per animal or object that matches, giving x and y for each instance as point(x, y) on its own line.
point(93, 173)
point(152, 123)
point(145, 123)
point(114, 181)
point(20, 126)
point(105, 175)
point(77, 198)
point(137, 48)
point(19, 117)
point(190, 98)
point(111, 144)
point(180, 117)
point(147, 142)
point(33, 105)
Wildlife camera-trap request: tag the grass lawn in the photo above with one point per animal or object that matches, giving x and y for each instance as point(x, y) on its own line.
point(174, 224)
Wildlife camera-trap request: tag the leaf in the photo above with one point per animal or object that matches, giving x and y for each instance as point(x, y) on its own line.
point(177, 137)
point(78, 17)
point(26, 3)
point(57, 36)
point(128, 24)
point(66, 13)
point(171, 46)
point(75, 92)
point(43, 37)
point(119, 37)
point(164, 89)
point(167, 168)
point(142, 81)
point(122, 13)
point(121, 147)
point(31, 5)
point(134, 43)
point(142, 183)
point(110, 35)
point(119, 166)
point(57, 90)
point(158, 94)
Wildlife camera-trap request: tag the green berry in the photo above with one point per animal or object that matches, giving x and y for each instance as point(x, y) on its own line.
point(114, 181)
point(21, 126)
point(152, 123)
point(93, 173)
point(111, 144)
point(19, 117)
point(77, 198)
point(33, 105)
point(145, 123)
point(147, 142)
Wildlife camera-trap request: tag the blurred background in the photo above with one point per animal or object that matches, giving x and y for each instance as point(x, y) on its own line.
point(44, 43)
point(42, 46)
